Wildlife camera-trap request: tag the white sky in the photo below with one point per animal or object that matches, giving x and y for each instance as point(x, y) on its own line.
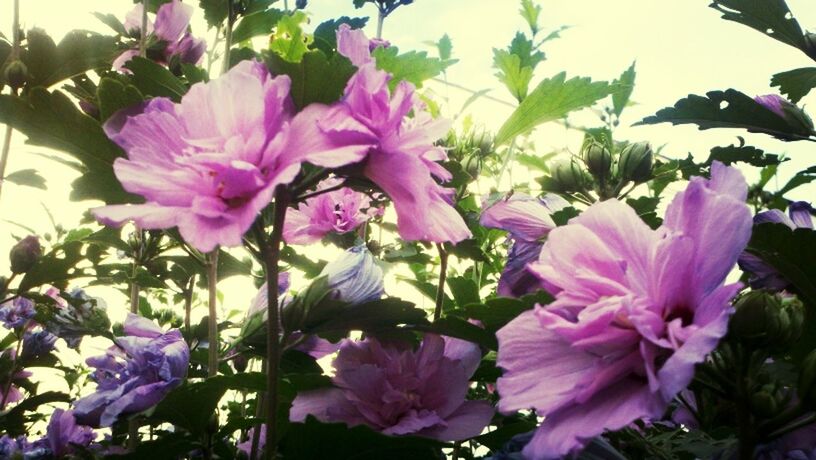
point(681, 47)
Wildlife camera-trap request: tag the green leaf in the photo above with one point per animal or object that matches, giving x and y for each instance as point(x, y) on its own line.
point(114, 96)
point(627, 83)
point(801, 178)
point(796, 83)
point(290, 42)
point(413, 66)
point(552, 99)
point(29, 177)
point(155, 80)
point(726, 109)
point(452, 326)
point(13, 421)
point(771, 17)
point(325, 35)
point(77, 53)
point(56, 267)
point(112, 21)
point(260, 23)
point(315, 78)
point(215, 11)
point(523, 47)
point(742, 153)
point(371, 316)
point(464, 290)
point(339, 442)
point(791, 253)
point(530, 12)
point(445, 47)
point(164, 446)
point(515, 77)
point(51, 120)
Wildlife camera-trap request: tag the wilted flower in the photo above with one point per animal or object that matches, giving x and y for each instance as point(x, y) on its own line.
point(15, 313)
point(340, 211)
point(36, 344)
point(528, 220)
point(170, 30)
point(762, 274)
point(370, 123)
point(25, 254)
point(209, 164)
point(76, 317)
point(355, 277)
point(134, 374)
point(63, 435)
point(400, 391)
point(635, 310)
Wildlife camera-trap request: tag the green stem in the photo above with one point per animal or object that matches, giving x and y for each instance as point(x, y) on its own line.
point(272, 256)
point(188, 304)
point(793, 426)
point(443, 273)
point(212, 336)
point(15, 53)
point(228, 36)
point(143, 34)
point(380, 21)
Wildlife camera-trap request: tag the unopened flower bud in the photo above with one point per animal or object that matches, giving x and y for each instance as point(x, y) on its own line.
point(767, 320)
point(635, 163)
point(16, 74)
point(355, 277)
point(597, 158)
point(240, 363)
point(764, 403)
point(568, 176)
point(25, 254)
point(472, 165)
point(300, 4)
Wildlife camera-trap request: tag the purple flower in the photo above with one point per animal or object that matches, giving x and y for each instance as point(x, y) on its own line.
point(796, 118)
point(246, 446)
point(371, 123)
point(134, 374)
point(170, 29)
point(15, 313)
point(634, 311)
point(772, 102)
point(36, 344)
point(355, 277)
point(353, 44)
point(9, 446)
point(799, 444)
point(13, 394)
point(400, 391)
point(80, 315)
point(63, 434)
point(339, 211)
point(762, 274)
point(528, 221)
point(209, 164)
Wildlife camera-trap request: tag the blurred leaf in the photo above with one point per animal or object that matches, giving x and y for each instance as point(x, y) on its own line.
point(114, 96)
point(801, 178)
point(796, 83)
point(325, 35)
point(464, 290)
point(13, 421)
point(627, 84)
point(530, 12)
point(726, 109)
point(289, 41)
point(444, 46)
point(315, 78)
point(259, 23)
point(77, 53)
point(515, 77)
point(413, 66)
point(29, 177)
point(112, 21)
point(155, 80)
point(771, 17)
point(552, 99)
point(215, 11)
point(370, 316)
point(164, 446)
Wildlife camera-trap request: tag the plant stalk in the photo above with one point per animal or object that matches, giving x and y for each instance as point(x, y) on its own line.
point(212, 323)
point(143, 34)
point(443, 274)
point(15, 53)
point(228, 37)
point(380, 21)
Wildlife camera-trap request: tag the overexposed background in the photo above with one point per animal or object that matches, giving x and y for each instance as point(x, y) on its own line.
point(681, 47)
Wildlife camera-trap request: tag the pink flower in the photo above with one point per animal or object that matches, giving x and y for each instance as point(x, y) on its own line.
point(634, 311)
point(209, 164)
point(399, 391)
point(339, 211)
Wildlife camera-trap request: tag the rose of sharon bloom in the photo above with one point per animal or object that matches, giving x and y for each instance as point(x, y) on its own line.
point(355, 277)
point(63, 434)
point(172, 19)
point(209, 164)
point(17, 312)
point(634, 311)
point(400, 391)
point(762, 274)
point(528, 221)
point(371, 123)
point(134, 374)
point(339, 211)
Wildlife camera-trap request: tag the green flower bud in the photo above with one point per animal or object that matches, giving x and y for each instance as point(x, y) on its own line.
point(25, 254)
point(472, 165)
point(568, 176)
point(598, 159)
point(16, 74)
point(767, 320)
point(806, 388)
point(635, 163)
point(764, 404)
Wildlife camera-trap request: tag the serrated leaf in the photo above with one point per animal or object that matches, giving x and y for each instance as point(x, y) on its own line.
point(215, 11)
point(744, 154)
point(452, 326)
point(290, 42)
point(552, 99)
point(771, 17)
point(523, 47)
point(726, 109)
point(413, 66)
point(315, 78)
point(530, 12)
point(77, 53)
point(155, 80)
point(113, 96)
point(325, 35)
point(515, 77)
point(627, 83)
point(801, 178)
point(111, 21)
point(445, 47)
point(28, 177)
point(791, 253)
point(796, 83)
point(259, 23)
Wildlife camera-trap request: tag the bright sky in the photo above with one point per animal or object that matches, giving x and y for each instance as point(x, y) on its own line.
point(681, 47)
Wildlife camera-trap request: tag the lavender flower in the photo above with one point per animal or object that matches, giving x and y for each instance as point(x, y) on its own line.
point(13, 395)
point(63, 434)
point(400, 391)
point(634, 311)
point(76, 316)
point(528, 221)
point(370, 123)
point(209, 164)
point(355, 277)
point(793, 115)
point(10, 446)
point(762, 274)
point(36, 344)
point(134, 374)
point(338, 211)
point(772, 102)
point(17, 312)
